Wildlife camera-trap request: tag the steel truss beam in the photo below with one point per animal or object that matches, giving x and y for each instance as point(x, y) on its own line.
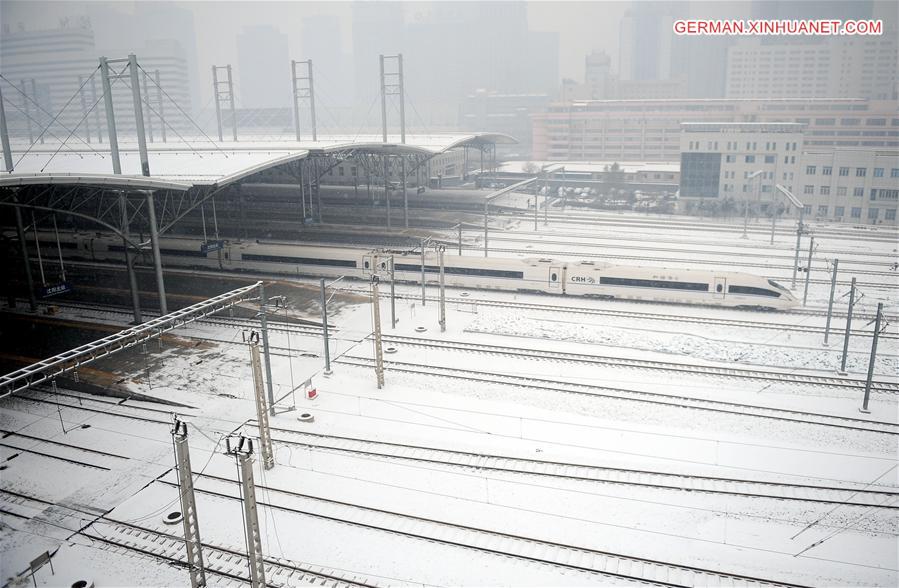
point(57, 365)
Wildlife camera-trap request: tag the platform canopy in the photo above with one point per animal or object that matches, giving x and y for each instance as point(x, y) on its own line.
point(179, 166)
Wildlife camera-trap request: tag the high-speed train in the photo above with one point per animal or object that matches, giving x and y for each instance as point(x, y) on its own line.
point(546, 275)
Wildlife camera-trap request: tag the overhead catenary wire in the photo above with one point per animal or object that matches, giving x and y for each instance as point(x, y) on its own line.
point(37, 104)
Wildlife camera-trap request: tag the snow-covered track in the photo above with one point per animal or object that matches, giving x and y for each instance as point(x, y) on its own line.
point(222, 561)
point(857, 495)
point(666, 366)
point(680, 402)
point(619, 567)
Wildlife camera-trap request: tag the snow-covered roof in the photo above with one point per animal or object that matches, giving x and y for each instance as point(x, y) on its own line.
point(179, 165)
point(629, 167)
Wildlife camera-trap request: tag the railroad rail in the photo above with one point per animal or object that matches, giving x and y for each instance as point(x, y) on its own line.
point(861, 495)
point(623, 362)
point(672, 400)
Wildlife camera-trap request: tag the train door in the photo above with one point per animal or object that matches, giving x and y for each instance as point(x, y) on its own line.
point(555, 278)
point(719, 288)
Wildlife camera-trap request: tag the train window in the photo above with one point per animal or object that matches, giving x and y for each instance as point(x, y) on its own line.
point(753, 291)
point(695, 286)
point(300, 260)
point(460, 271)
point(366, 265)
point(553, 277)
point(719, 288)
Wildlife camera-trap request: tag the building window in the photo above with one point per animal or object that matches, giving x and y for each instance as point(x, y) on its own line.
point(856, 212)
point(766, 188)
point(807, 209)
point(861, 172)
point(873, 194)
point(839, 211)
point(809, 189)
point(890, 214)
point(730, 158)
point(750, 159)
point(844, 171)
point(810, 170)
point(894, 173)
point(340, 171)
point(826, 170)
point(841, 191)
point(769, 159)
point(822, 211)
point(353, 171)
point(873, 213)
point(878, 172)
point(858, 192)
point(825, 190)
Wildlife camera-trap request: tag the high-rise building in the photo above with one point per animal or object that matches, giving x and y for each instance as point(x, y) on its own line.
point(836, 67)
point(321, 40)
point(262, 79)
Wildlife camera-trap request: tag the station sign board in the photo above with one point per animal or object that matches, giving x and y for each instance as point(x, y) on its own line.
point(210, 246)
point(55, 289)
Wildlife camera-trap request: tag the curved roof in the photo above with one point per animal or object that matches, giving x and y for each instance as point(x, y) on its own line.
point(179, 166)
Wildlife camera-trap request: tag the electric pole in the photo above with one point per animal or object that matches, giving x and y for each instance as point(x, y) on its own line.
point(188, 505)
point(392, 295)
point(376, 319)
point(440, 251)
point(263, 326)
point(871, 361)
point(265, 439)
point(242, 450)
point(848, 326)
point(808, 270)
point(833, 285)
point(325, 329)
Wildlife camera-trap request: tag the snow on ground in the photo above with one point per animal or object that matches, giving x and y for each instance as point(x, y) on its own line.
point(207, 369)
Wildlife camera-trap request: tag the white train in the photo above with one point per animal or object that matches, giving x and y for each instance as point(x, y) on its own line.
point(553, 276)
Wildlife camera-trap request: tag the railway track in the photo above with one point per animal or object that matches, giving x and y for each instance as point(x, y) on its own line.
point(222, 561)
point(574, 558)
point(599, 360)
point(671, 400)
point(557, 470)
point(702, 320)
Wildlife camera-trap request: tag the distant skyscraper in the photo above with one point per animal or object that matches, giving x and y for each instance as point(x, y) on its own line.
point(321, 40)
point(646, 35)
point(263, 68)
point(377, 30)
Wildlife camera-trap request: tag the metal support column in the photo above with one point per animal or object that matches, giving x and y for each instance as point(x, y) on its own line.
point(848, 327)
point(215, 98)
point(139, 116)
point(4, 136)
point(401, 92)
point(146, 97)
point(387, 186)
point(441, 249)
point(799, 229)
point(833, 287)
point(300, 93)
point(296, 106)
point(808, 270)
point(94, 102)
point(231, 103)
point(536, 203)
point(423, 272)
point(160, 104)
point(189, 518)
point(129, 260)
point(242, 451)
point(376, 320)
point(485, 228)
point(23, 247)
point(265, 439)
point(263, 326)
point(383, 103)
point(110, 117)
point(460, 236)
point(873, 358)
point(405, 195)
point(392, 295)
point(157, 258)
point(325, 329)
